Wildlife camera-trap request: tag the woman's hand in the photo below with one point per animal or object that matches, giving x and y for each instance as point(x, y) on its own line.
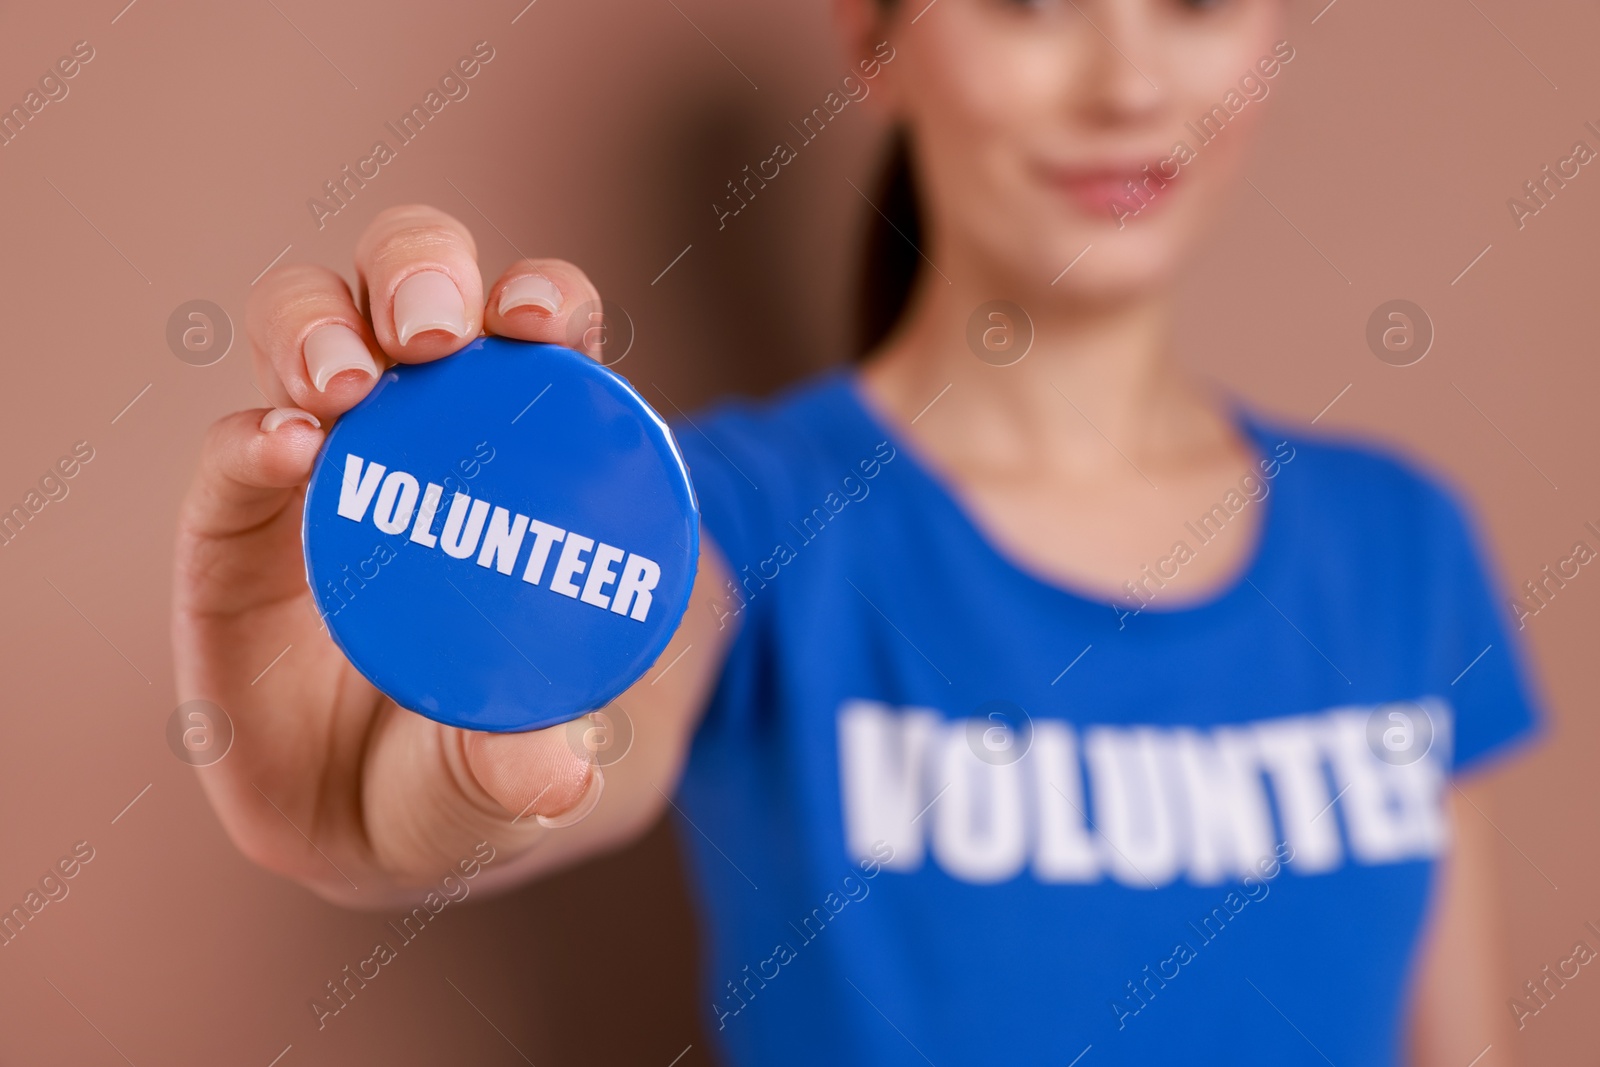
point(328, 781)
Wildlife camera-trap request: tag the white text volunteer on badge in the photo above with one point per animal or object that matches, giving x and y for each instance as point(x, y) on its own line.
point(501, 534)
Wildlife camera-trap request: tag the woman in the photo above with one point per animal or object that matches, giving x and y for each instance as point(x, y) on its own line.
point(1034, 702)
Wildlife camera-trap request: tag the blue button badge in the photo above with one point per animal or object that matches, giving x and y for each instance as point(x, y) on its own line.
point(502, 539)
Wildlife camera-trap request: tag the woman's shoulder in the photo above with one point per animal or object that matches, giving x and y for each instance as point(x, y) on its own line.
point(795, 416)
point(1350, 479)
point(754, 460)
point(802, 430)
point(1350, 462)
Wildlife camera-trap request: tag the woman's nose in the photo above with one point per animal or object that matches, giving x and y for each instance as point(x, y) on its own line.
point(1119, 61)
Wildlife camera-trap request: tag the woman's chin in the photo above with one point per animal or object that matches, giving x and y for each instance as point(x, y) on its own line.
point(1115, 269)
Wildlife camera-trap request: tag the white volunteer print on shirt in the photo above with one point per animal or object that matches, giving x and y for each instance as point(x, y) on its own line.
point(1143, 806)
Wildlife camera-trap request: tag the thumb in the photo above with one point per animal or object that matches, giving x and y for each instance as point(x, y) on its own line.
point(541, 775)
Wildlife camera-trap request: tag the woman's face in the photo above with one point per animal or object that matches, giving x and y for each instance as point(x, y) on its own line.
point(1044, 128)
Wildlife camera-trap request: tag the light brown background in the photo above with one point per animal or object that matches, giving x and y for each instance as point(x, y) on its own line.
point(602, 131)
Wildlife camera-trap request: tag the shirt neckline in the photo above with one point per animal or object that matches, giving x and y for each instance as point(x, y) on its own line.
point(1246, 581)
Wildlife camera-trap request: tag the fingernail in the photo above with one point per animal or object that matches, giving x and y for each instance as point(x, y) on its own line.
point(334, 349)
point(278, 416)
point(580, 810)
point(428, 300)
point(532, 291)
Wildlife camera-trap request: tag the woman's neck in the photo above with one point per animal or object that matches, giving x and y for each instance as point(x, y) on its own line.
point(1095, 373)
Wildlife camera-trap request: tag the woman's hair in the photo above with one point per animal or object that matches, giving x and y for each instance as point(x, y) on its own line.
point(894, 233)
point(889, 261)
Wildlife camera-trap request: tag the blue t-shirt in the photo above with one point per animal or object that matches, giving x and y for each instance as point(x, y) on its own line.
point(943, 810)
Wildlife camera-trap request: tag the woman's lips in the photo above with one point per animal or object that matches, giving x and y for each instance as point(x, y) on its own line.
point(1106, 191)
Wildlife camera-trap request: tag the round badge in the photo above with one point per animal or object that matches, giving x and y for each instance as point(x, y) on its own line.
point(503, 539)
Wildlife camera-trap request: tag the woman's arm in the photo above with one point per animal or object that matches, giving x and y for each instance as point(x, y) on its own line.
point(1459, 1010)
point(327, 781)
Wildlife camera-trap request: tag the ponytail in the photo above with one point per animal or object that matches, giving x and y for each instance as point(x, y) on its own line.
point(890, 258)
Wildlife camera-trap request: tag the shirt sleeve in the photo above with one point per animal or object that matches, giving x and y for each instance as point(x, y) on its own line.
point(739, 482)
point(733, 480)
point(1479, 660)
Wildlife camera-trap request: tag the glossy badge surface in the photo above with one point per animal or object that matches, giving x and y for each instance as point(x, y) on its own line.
point(502, 539)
